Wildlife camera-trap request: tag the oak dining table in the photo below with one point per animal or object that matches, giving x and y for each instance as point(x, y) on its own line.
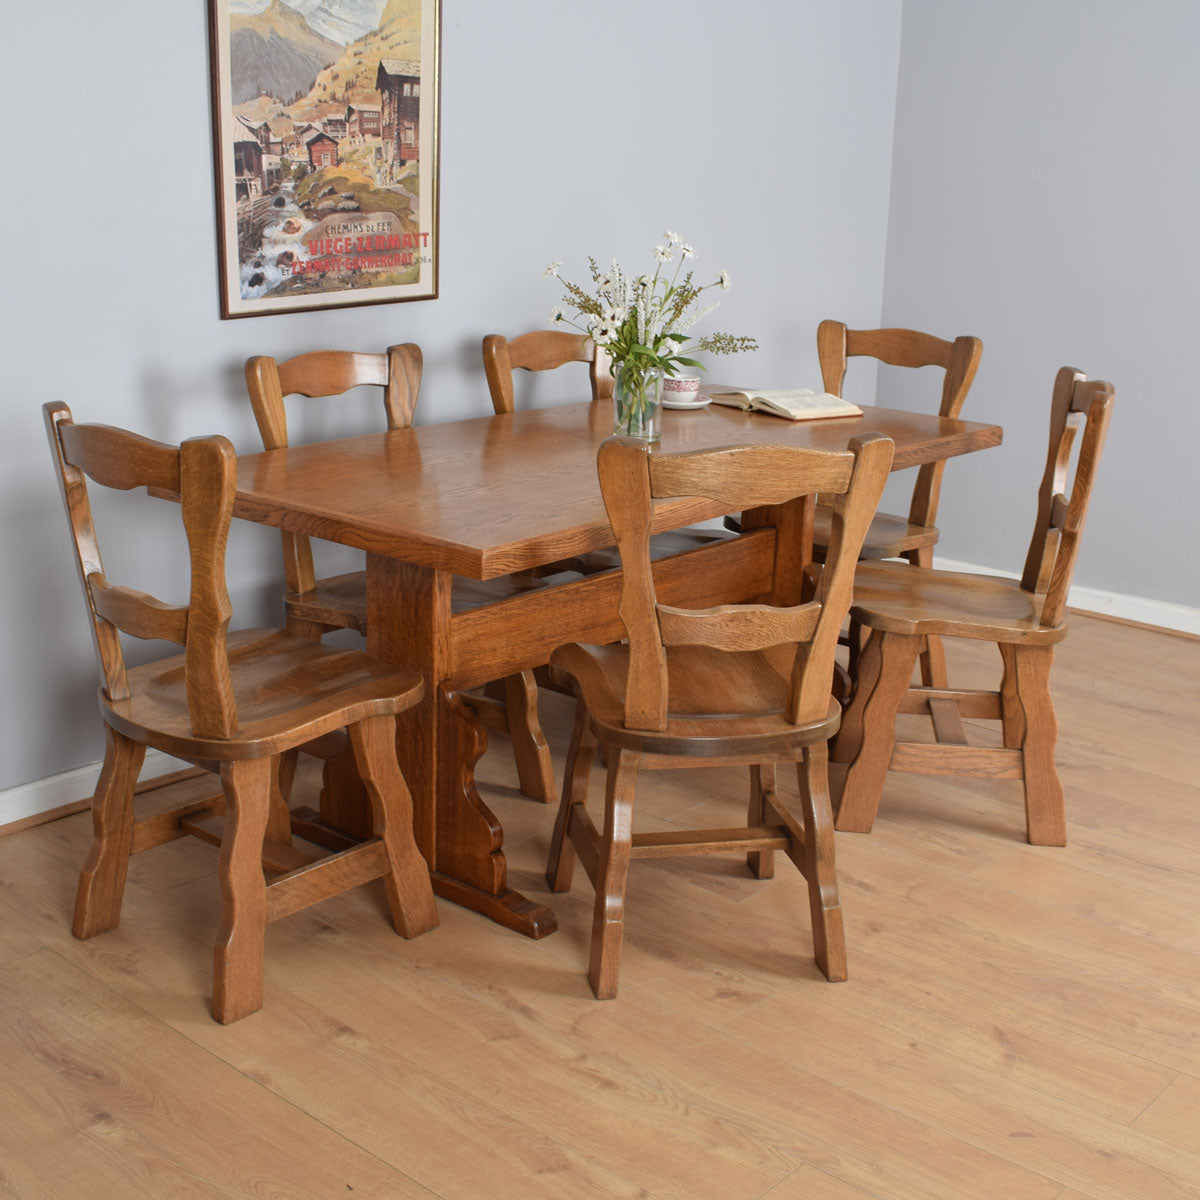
point(496, 495)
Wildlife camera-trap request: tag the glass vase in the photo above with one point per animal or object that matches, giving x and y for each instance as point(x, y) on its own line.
point(637, 401)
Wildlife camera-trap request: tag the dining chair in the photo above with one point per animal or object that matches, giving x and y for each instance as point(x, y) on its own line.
point(541, 350)
point(891, 536)
point(899, 605)
point(317, 606)
point(744, 684)
point(547, 350)
point(238, 705)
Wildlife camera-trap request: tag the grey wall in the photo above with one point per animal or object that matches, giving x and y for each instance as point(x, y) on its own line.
point(1044, 197)
point(762, 133)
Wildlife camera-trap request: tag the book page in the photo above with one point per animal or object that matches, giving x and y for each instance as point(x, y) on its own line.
point(796, 404)
point(799, 403)
point(732, 398)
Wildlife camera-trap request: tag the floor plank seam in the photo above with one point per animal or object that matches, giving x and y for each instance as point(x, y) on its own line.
point(1170, 1083)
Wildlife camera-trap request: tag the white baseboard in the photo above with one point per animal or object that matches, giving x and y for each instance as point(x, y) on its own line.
point(1178, 617)
point(45, 795)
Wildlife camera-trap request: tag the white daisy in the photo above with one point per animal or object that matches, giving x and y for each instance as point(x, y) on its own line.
point(662, 254)
point(556, 315)
point(723, 280)
point(552, 269)
point(602, 333)
point(614, 316)
point(672, 237)
point(686, 250)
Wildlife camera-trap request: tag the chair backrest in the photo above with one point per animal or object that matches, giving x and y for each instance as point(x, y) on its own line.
point(905, 348)
point(542, 350)
point(742, 477)
point(1077, 403)
point(203, 473)
point(327, 373)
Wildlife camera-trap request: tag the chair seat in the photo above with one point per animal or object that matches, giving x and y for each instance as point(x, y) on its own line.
point(475, 593)
point(900, 598)
point(341, 600)
point(288, 690)
point(888, 537)
point(719, 704)
point(662, 545)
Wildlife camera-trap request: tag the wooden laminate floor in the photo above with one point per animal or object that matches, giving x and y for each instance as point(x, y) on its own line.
point(1020, 1023)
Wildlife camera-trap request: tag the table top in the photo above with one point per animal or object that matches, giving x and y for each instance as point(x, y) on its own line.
point(498, 494)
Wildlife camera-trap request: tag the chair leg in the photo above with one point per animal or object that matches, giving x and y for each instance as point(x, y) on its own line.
point(409, 891)
point(843, 684)
point(608, 915)
point(102, 880)
point(560, 866)
point(933, 653)
point(343, 801)
point(762, 788)
point(933, 663)
point(829, 939)
point(1012, 712)
point(1045, 819)
point(854, 642)
point(535, 773)
point(865, 677)
point(947, 720)
point(279, 819)
point(238, 954)
point(868, 731)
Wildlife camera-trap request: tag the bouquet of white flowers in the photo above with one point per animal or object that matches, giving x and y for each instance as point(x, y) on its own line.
point(641, 322)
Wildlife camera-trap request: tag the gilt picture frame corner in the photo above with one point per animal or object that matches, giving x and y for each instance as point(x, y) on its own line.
point(325, 123)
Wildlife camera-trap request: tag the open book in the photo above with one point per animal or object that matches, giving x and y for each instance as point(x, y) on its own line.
point(796, 404)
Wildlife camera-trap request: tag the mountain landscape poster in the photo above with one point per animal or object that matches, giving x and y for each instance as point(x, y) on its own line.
point(325, 134)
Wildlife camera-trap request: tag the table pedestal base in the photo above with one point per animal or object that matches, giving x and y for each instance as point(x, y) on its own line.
point(471, 868)
point(505, 907)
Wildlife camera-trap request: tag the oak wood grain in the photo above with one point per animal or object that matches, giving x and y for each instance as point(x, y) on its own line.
point(741, 684)
point(497, 495)
point(541, 350)
point(1024, 618)
point(239, 706)
point(315, 606)
point(958, 359)
point(327, 374)
point(991, 995)
point(912, 537)
point(514, 493)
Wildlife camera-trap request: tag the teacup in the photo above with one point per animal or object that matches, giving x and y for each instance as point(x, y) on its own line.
point(684, 388)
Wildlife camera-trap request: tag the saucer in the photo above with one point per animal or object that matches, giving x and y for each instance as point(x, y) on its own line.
point(701, 401)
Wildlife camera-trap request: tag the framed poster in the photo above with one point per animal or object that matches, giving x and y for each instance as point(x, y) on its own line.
point(325, 135)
